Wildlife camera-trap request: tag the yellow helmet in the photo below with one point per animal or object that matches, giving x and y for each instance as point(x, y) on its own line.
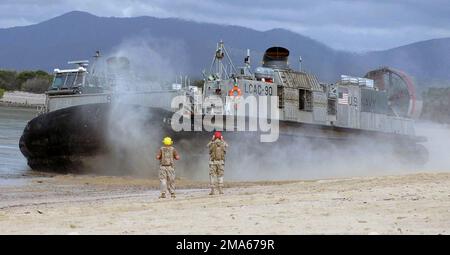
point(167, 141)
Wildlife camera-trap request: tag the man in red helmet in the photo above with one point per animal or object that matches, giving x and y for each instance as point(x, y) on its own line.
point(217, 150)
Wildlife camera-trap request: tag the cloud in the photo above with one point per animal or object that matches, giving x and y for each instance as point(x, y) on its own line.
point(343, 24)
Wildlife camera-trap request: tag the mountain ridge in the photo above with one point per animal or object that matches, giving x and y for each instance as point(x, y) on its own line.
point(74, 35)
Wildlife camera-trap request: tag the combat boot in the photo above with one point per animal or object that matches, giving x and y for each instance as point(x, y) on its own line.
point(211, 192)
point(163, 195)
point(220, 191)
point(173, 195)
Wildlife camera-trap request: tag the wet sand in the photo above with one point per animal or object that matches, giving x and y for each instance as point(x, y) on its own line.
point(66, 204)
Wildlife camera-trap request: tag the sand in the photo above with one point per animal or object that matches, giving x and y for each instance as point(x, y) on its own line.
point(66, 204)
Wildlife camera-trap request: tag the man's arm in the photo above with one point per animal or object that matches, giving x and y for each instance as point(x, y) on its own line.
point(176, 155)
point(158, 156)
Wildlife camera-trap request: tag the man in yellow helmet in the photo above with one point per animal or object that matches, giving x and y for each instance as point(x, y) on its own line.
point(166, 156)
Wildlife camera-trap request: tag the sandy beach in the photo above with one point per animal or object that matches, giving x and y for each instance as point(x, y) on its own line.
point(67, 204)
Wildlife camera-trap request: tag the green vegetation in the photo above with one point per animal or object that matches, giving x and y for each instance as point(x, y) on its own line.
point(2, 91)
point(29, 81)
point(436, 105)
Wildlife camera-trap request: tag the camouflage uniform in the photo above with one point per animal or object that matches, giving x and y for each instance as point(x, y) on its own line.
point(217, 151)
point(166, 155)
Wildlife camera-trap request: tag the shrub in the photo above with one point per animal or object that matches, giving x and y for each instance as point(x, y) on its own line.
point(8, 80)
point(30, 81)
point(36, 85)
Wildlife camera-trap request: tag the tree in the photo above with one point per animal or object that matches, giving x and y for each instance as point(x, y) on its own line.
point(37, 84)
point(41, 73)
point(22, 77)
point(11, 80)
point(8, 80)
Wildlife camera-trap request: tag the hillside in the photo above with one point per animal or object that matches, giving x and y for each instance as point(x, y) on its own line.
point(190, 45)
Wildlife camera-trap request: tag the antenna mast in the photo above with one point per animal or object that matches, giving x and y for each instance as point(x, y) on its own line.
point(218, 67)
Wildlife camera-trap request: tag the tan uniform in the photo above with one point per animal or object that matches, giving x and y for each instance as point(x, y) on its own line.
point(166, 156)
point(217, 151)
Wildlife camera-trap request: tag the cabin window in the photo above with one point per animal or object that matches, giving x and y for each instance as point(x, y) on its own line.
point(67, 80)
point(305, 100)
point(280, 93)
point(332, 106)
point(58, 82)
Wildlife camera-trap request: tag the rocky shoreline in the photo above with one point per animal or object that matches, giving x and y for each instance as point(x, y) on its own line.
point(18, 105)
point(22, 99)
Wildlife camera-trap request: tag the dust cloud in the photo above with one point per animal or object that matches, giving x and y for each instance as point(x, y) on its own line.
point(437, 144)
point(303, 158)
point(139, 66)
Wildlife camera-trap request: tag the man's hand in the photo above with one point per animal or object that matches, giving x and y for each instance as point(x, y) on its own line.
point(158, 155)
point(177, 157)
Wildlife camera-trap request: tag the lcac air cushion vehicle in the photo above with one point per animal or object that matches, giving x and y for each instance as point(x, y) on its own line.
point(365, 112)
point(82, 107)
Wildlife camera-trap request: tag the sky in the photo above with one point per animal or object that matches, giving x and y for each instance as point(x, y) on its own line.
point(352, 25)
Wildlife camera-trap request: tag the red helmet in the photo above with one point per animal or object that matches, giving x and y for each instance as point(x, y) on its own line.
point(217, 135)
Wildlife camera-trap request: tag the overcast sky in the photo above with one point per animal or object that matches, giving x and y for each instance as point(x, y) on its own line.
point(342, 24)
